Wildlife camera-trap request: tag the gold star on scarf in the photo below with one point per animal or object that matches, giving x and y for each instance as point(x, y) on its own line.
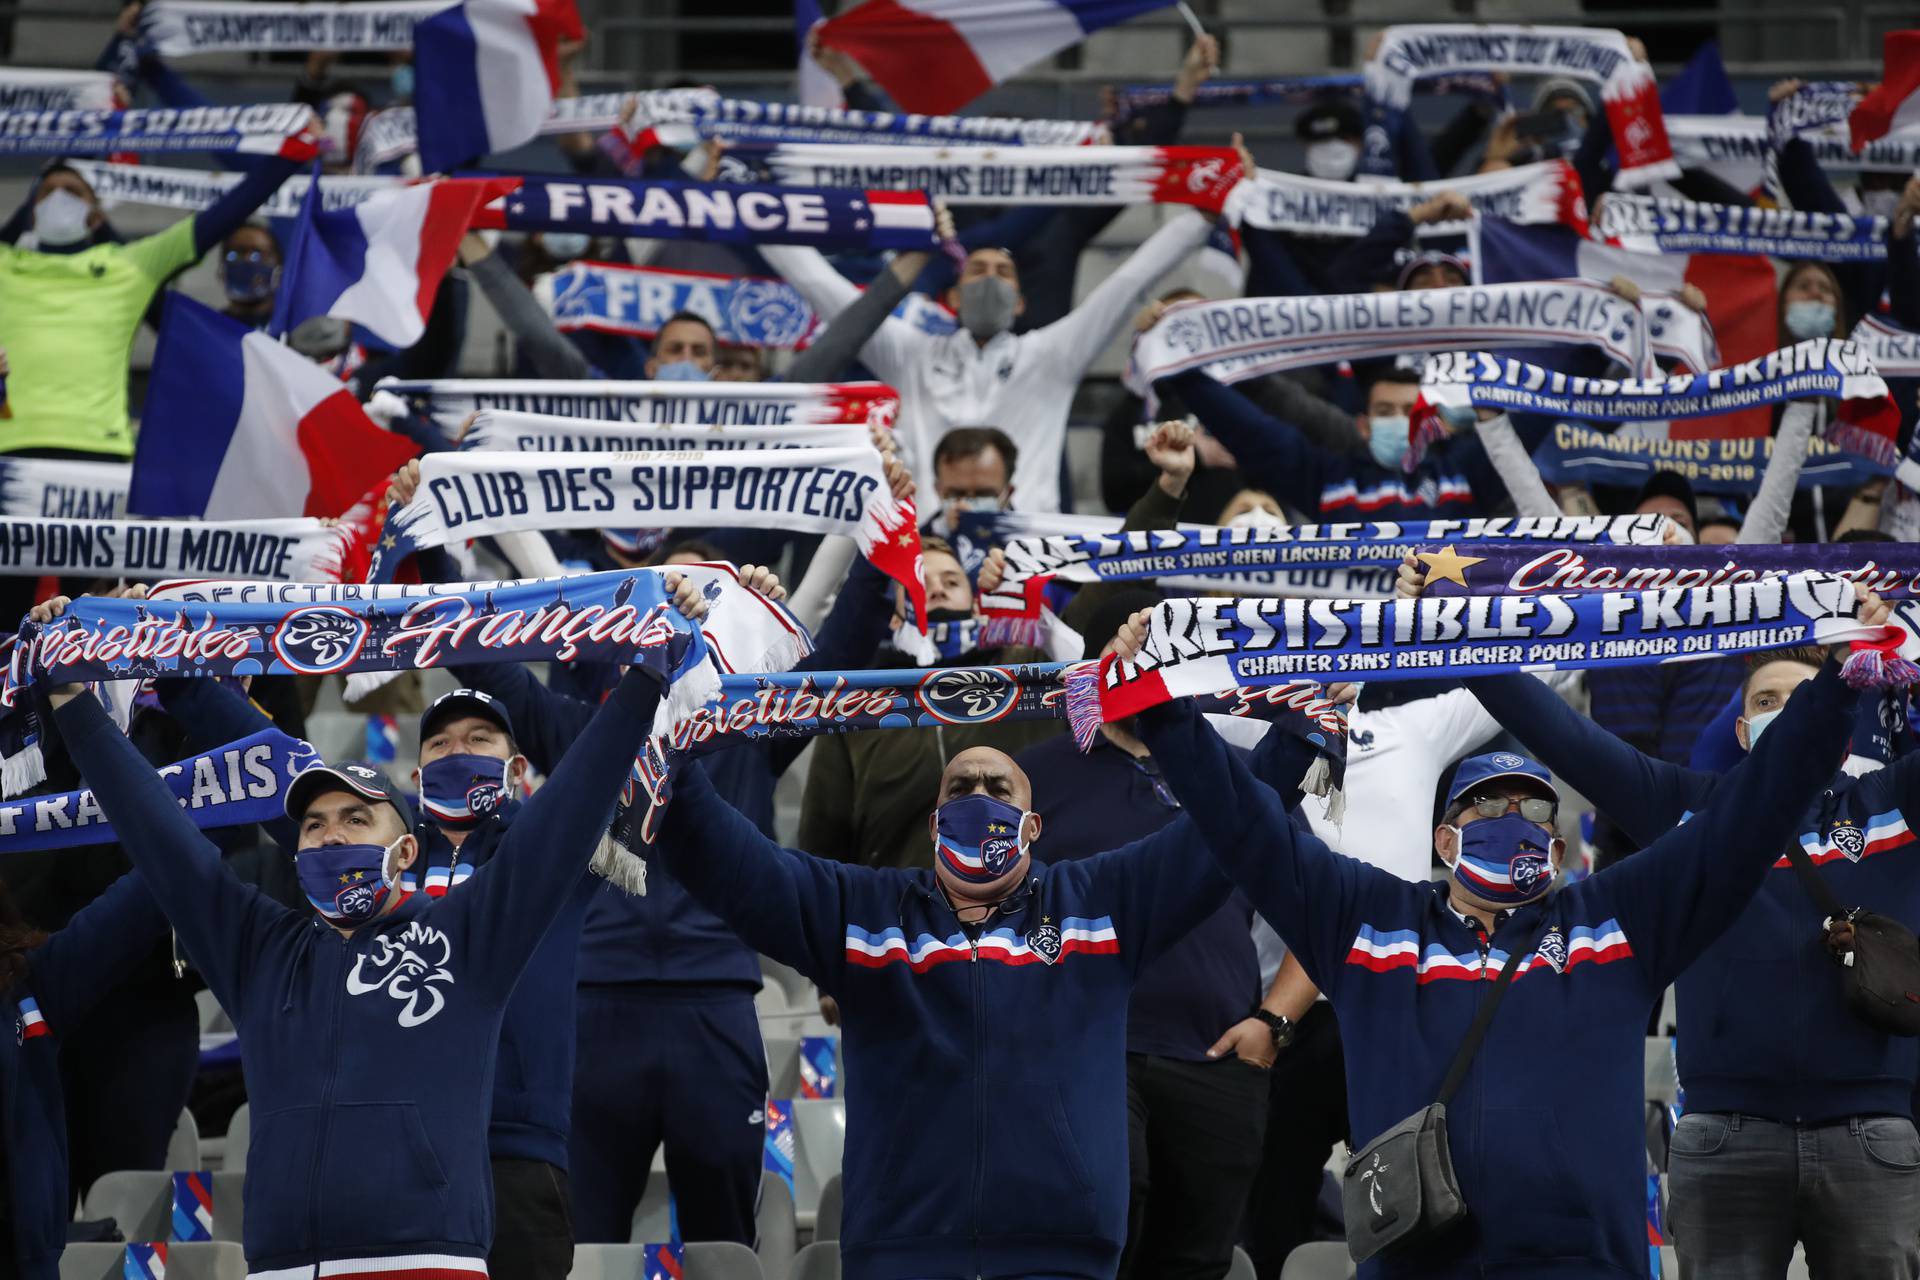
point(389, 542)
point(906, 538)
point(1447, 565)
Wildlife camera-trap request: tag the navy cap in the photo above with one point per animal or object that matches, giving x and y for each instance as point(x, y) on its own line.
point(464, 702)
point(1430, 258)
point(1329, 118)
point(1476, 771)
point(356, 776)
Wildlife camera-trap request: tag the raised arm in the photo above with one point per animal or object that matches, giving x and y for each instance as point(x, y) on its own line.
point(214, 715)
point(1272, 454)
point(545, 347)
point(1508, 456)
point(1080, 335)
point(829, 293)
point(1767, 518)
point(224, 216)
point(73, 968)
point(839, 345)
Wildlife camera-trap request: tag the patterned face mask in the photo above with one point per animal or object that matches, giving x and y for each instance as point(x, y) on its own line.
point(978, 837)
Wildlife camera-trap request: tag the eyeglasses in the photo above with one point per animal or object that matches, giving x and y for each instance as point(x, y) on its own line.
point(1161, 791)
point(1533, 809)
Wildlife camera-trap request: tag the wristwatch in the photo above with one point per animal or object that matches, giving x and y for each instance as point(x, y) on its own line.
point(1280, 1025)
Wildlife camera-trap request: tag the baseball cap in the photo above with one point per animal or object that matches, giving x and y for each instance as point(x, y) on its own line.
point(1562, 87)
point(1329, 119)
point(1476, 771)
point(1430, 258)
point(1670, 484)
point(464, 702)
point(356, 776)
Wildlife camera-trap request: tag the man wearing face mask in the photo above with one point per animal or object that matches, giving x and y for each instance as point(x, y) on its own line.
point(683, 350)
point(989, 993)
point(1023, 383)
point(1550, 1190)
point(370, 1028)
point(69, 307)
point(249, 273)
point(973, 471)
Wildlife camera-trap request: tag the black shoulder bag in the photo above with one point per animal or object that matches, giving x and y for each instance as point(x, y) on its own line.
point(1881, 956)
point(1399, 1190)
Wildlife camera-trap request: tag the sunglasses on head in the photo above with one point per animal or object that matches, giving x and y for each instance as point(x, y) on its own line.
point(1533, 809)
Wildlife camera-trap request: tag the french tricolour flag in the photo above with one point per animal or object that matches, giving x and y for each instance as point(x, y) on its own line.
point(239, 426)
point(380, 263)
point(486, 75)
point(31, 1022)
point(936, 56)
point(1895, 102)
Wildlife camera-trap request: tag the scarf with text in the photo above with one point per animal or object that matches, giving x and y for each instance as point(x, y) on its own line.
point(1699, 141)
point(724, 213)
point(1895, 351)
point(1669, 224)
point(1677, 334)
point(194, 189)
point(1200, 176)
point(1297, 91)
point(842, 491)
point(1575, 454)
point(40, 89)
point(1628, 90)
point(178, 28)
point(56, 487)
point(1247, 337)
point(337, 628)
point(1548, 192)
point(1510, 569)
point(272, 129)
point(1814, 106)
point(1214, 552)
point(1206, 646)
point(745, 311)
point(742, 404)
point(498, 431)
point(296, 549)
point(1867, 424)
point(240, 783)
point(658, 119)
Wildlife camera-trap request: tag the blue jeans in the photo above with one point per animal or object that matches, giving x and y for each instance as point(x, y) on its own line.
point(1741, 1190)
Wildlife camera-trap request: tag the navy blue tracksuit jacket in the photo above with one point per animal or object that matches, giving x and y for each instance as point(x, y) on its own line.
point(66, 974)
point(1551, 1189)
point(369, 1058)
point(1798, 1056)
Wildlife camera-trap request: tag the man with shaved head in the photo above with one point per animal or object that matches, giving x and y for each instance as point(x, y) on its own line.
point(984, 1001)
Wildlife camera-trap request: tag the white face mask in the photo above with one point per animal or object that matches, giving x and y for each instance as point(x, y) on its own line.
point(1878, 203)
point(1256, 518)
point(1334, 160)
point(61, 218)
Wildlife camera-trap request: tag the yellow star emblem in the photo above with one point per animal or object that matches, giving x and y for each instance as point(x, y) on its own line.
point(906, 538)
point(1447, 565)
point(389, 542)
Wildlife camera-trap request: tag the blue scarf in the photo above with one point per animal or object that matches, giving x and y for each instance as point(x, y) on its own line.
point(242, 782)
point(831, 219)
point(1575, 454)
point(1668, 224)
point(1512, 569)
point(745, 311)
point(268, 129)
point(1814, 106)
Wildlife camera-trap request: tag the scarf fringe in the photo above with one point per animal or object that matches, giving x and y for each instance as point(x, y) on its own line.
point(1878, 665)
point(619, 866)
point(1083, 704)
point(22, 771)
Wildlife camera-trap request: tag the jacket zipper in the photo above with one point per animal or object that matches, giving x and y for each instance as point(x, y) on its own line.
point(979, 1094)
point(326, 1106)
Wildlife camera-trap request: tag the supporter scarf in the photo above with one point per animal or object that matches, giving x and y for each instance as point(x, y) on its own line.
point(268, 129)
point(1253, 336)
point(723, 213)
point(1814, 106)
point(195, 189)
point(498, 431)
point(1895, 351)
point(56, 487)
point(598, 111)
point(1206, 646)
point(1678, 334)
point(386, 137)
point(1200, 176)
point(722, 404)
point(843, 491)
point(278, 550)
point(1868, 422)
point(35, 89)
point(1576, 454)
point(240, 783)
point(1297, 91)
point(346, 627)
point(1535, 193)
point(178, 28)
point(678, 120)
point(1699, 141)
point(1668, 224)
point(1628, 89)
point(1511, 569)
point(789, 705)
point(1212, 552)
point(746, 311)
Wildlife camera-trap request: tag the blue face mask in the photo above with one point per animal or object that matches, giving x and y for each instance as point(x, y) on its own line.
point(402, 80)
point(346, 883)
point(979, 837)
point(1387, 440)
point(681, 371)
point(1810, 319)
point(1757, 725)
point(1505, 860)
point(248, 277)
point(459, 790)
point(565, 246)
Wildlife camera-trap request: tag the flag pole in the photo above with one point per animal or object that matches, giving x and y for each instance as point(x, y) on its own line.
point(1193, 19)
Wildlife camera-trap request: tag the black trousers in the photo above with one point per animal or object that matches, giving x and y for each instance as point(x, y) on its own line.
point(1308, 1116)
point(532, 1221)
point(1193, 1146)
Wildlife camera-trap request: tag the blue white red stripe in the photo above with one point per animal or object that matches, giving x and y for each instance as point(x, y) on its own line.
point(1881, 832)
point(486, 76)
point(1384, 950)
point(31, 1022)
point(1002, 946)
point(407, 1266)
point(1445, 491)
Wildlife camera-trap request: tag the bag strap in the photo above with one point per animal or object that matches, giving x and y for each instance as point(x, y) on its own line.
point(1813, 882)
point(1483, 1018)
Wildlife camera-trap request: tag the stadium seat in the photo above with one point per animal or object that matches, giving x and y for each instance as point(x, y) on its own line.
point(183, 1148)
point(229, 1204)
point(783, 1063)
point(220, 1260)
point(819, 1143)
point(139, 1201)
point(212, 1016)
point(1322, 1260)
point(826, 1222)
point(239, 1135)
point(1662, 1085)
point(819, 1261)
point(602, 1262)
point(774, 1225)
point(1669, 1262)
point(722, 1260)
point(650, 1219)
point(797, 991)
point(1242, 1268)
